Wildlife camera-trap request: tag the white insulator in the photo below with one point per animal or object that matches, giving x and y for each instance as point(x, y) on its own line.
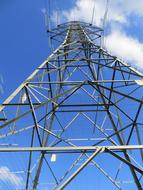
point(53, 158)
point(24, 98)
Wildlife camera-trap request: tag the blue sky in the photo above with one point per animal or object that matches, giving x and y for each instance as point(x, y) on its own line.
point(24, 42)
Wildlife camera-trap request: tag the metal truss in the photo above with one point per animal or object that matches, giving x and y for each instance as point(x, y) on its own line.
point(76, 118)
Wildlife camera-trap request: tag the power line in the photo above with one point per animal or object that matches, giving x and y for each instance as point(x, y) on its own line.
point(93, 12)
point(1, 84)
point(46, 11)
point(47, 17)
point(104, 22)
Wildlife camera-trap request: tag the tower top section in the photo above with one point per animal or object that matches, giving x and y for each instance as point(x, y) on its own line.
point(77, 30)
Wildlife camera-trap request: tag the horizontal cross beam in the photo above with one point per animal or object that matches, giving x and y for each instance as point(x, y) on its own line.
point(68, 149)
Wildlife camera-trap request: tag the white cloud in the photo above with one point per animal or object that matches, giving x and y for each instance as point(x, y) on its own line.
point(131, 7)
point(119, 10)
point(83, 11)
point(118, 42)
point(7, 175)
point(126, 47)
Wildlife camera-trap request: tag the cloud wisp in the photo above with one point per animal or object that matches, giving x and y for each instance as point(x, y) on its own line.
point(8, 176)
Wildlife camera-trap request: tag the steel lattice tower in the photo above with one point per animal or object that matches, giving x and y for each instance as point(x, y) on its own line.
point(76, 122)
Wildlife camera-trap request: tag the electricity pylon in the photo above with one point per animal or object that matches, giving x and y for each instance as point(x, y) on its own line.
point(76, 122)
